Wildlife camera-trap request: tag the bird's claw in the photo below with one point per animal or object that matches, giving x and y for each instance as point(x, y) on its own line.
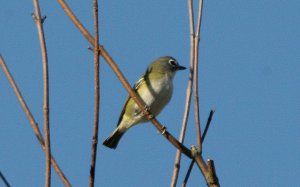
point(147, 112)
point(164, 129)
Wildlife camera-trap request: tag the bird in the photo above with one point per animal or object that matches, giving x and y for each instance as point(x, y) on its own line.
point(155, 88)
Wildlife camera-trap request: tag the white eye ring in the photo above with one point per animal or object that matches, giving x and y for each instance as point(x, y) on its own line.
point(172, 62)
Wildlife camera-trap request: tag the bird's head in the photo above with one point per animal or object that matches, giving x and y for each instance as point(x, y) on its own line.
point(166, 64)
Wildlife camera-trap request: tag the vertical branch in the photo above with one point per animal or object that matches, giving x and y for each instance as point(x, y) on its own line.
point(39, 24)
point(196, 57)
point(188, 95)
point(97, 95)
point(32, 121)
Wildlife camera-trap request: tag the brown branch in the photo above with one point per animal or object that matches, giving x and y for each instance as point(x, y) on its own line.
point(213, 179)
point(4, 180)
point(199, 19)
point(39, 23)
point(23, 104)
point(195, 86)
point(97, 96)
point(76, 21)
point(188, 96)
point(196, 98)
point(32, 121)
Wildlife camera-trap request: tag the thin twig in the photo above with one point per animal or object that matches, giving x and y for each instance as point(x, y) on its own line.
point(39, 24)
point(199, 19)
point(23, 104)
point(4, 180)
point(188, 95)
point(32, 121)
point(195, 86)
point(207, 124)
point(97, 96)
point(186, 178)
point(76, 21)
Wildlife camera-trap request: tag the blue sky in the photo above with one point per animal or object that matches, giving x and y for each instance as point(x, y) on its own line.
point(249, 72)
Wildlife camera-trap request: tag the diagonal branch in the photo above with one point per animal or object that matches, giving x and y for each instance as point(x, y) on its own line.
point(202, 140)
point(186, 178)
point(97, 96)
point(32, 121)
point(211, 113)
point(4, 180)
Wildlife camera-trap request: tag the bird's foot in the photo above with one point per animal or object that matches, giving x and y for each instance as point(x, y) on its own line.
point(147, 112)
point(163, 130)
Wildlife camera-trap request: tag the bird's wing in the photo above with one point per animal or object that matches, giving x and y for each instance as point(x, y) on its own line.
point(135, 88)
point(139, 83)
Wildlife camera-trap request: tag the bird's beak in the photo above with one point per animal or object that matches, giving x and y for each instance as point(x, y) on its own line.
point(180, 67)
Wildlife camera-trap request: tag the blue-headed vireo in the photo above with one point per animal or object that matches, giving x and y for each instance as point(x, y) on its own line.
point(155, 88)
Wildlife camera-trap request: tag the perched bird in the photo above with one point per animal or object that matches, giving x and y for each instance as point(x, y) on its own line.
point(155, 88)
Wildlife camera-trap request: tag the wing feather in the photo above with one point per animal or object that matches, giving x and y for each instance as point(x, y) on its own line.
point(135, 88)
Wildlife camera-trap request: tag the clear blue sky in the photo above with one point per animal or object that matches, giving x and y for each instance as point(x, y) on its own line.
point(249, 72)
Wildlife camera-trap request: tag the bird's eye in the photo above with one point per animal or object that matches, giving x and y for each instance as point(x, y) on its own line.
point(172, 62)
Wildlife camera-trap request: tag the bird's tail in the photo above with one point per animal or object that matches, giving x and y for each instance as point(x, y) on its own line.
point(113, 140)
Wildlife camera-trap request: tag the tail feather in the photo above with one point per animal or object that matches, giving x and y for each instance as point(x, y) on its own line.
point(113, 140)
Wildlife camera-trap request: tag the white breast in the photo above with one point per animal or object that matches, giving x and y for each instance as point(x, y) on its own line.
point(157, 94)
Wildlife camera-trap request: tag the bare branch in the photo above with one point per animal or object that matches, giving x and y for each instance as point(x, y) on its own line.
point(22, 102)
point(186, 178)
point(188, 95)
point(195, 86)
point(207, 124)
point(199, 19)
point(213, 180)
point(76, 21)
point(38, 20)
point(207, 171)
point(4, 180)
point(32, 121)
point(97, 96)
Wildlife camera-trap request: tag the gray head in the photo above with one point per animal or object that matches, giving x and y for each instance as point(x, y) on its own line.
point(166, 64)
